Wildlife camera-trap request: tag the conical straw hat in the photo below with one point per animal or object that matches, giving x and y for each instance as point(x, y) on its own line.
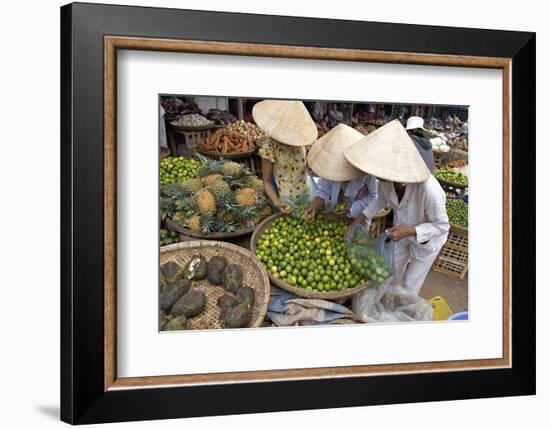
point(326, 156)
point(389, 153)
point(288, 122)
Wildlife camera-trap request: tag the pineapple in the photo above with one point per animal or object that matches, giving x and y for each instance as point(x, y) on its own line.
point(187, 205)
point(245, 196)
point(211, 167)
point(257, 184)
point(192, 185)
point(194, 223)
point(179, 217)
point(208, 223)
point(231, 168)
point(210, 179)
point(206, 202)
point(219, 188)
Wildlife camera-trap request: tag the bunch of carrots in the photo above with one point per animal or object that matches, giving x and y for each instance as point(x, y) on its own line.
point(224, 141)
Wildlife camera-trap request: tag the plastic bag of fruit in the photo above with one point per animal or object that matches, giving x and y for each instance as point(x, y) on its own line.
point(369, 257)
point(390, 303)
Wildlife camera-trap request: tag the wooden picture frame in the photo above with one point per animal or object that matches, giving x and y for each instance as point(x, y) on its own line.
point(91, 390)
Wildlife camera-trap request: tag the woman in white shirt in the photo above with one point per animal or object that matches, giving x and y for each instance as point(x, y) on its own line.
point(339, 182)
point(420, 222)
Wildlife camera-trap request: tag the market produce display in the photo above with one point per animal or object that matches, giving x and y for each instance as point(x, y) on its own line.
point(178, 169)
point(180, 301)
point(365, 129)
point(458, 163)
point(224, 142)
point(193, 120)
point(226, 197)
point(438, 145)
point(251, 130)
point(457, 211)
point(199, 278)
point(308, 255)
point(220, 116)
point(451, 176)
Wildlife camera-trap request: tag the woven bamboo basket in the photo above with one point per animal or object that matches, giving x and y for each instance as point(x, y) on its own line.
point(453, 256)
point(254, 276)
point(325, 295)
point(446, 183)
point(216, 155)
point(193, 128)
point(214, 235)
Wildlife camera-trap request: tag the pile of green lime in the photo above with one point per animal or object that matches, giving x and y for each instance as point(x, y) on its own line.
point(451, 176)
point(308, 255)
point(168, 237)
point(457, 211)
point(178, 169)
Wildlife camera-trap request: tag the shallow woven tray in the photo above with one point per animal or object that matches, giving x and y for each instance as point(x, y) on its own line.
point(451, 184)
point(325, 295)
point(254, 276)
point(214, 235)
point(193, 128)
point(216, 155)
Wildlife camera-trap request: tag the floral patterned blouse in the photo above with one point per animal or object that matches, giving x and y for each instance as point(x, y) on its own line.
point(289, 168)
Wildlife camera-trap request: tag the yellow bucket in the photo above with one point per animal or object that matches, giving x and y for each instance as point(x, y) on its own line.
point(442, 311)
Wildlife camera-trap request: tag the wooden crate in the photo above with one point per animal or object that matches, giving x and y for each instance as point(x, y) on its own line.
point(453, 257)
point(192, 139)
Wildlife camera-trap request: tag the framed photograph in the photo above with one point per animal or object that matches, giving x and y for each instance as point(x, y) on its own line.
point(266, 213)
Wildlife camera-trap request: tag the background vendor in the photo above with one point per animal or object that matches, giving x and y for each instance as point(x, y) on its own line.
point(420, 222)
point(289, 129)
point(340, 182)
point(419, 136)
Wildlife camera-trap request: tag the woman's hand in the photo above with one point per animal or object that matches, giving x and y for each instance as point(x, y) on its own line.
point(284, 208)
point(309, 214)
point(400, 231)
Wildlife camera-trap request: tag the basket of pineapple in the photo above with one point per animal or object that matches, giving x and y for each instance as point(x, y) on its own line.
point(226, 200)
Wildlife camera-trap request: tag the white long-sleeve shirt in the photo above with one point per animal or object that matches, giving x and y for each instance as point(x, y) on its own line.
point(329, 191)
point(422, 206)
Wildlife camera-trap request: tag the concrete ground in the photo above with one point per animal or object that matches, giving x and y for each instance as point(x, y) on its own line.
point(454, 291)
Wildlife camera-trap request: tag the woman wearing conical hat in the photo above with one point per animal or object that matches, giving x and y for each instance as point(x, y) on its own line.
point(340, 181)
point(420, 222)
point(289, 129)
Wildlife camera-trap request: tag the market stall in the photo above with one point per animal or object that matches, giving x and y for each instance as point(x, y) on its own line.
point(213, 203)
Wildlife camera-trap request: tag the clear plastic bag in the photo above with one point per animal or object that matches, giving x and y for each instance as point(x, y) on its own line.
point(369, 257)
point(390, 303)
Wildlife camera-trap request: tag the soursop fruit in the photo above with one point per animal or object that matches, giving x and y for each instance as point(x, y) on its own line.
point(246, 295)
point(176, 323)
point(232, 278)
point(215, 269)
point(173, 293)
point(195, 269)
point(171, 271)
point(227, 301)
point(190, 305)
point(238, 317)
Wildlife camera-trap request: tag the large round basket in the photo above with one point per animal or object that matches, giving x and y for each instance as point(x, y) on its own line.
point(451, 184)
point(214, 235)
point(215, 155)
point(325, 295)
point(193, 128)
point(254, 276)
